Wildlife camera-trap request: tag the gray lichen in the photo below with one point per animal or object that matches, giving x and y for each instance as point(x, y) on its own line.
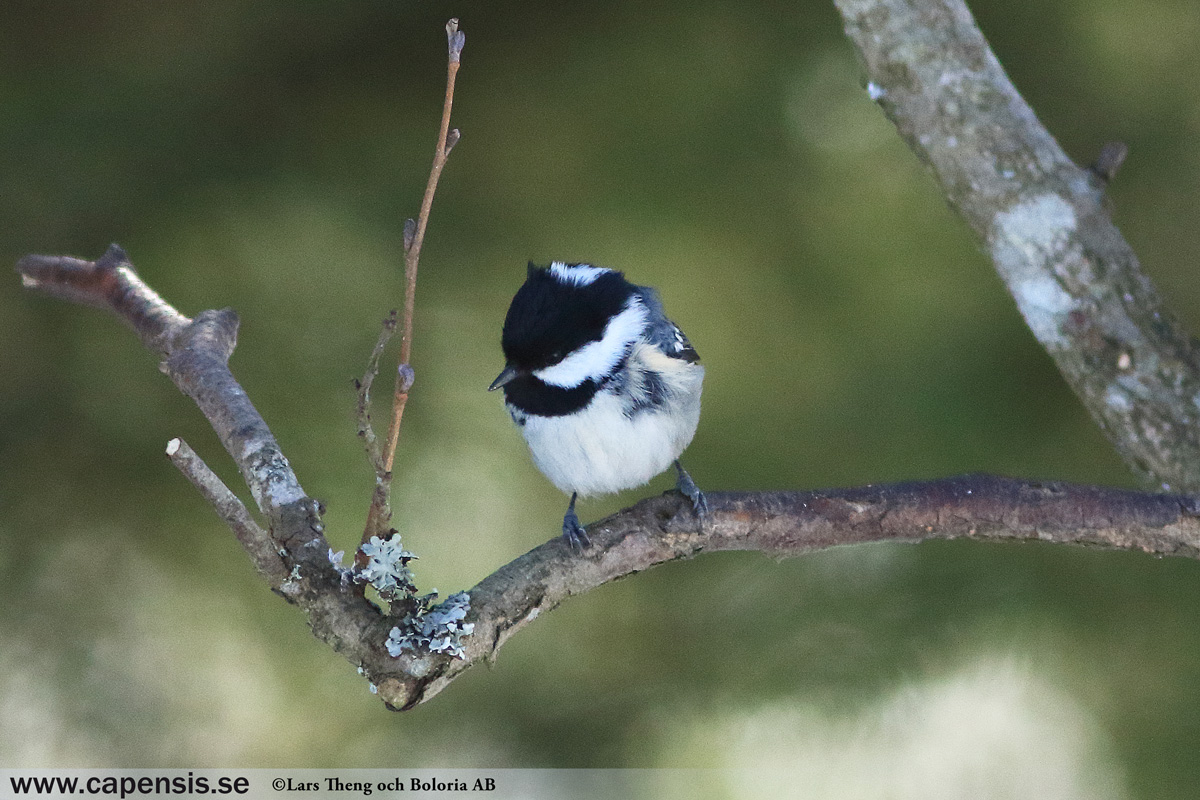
point(387, 567)
point(437, 629)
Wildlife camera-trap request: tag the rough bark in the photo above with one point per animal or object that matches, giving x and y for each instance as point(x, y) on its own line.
point(196, 357)
point(1040, 217)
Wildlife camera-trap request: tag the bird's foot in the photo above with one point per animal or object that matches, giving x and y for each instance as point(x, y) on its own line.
point(688, 488)
point(573, 532)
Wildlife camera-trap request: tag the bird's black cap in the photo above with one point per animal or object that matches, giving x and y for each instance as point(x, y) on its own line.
point(559, 309)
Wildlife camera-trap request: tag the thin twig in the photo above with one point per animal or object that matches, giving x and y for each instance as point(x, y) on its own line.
point(1111, 157)
point(657, 530)
point(256, 541)
point(196, 357)
point(664, 529)
point(366, 430)
point(404, 381)
point(379, 515)
point(412, 245)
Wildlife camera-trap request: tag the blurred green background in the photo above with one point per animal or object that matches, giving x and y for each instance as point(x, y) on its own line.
point(262, 154)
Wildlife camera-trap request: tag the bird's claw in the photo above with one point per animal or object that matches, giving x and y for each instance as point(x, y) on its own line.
point(700, 504)
point(688, 488)
point(574, 534)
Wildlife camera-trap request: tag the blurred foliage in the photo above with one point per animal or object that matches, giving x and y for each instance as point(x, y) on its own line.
point(262, 154)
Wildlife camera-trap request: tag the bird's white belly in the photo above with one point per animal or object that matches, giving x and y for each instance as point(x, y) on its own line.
point(600, 450)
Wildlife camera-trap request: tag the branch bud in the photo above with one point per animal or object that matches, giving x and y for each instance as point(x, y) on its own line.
point(456, 39)
point(1111, 157)
point(404, 378)
point(410, 234)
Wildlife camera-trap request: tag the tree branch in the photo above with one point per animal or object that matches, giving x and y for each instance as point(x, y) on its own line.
point(662, 529)
point(111, 283)
point(379, 513)
point(254, 539)
point(652, 532)
point(196, 357)
point(1040, 217)
point(414, 238)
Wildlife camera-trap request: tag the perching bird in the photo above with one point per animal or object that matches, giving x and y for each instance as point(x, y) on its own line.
point(605, 388)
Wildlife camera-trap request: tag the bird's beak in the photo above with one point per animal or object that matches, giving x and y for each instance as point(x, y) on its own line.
point(504, 377)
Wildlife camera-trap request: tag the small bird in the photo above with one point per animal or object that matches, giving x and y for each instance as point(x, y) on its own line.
point(604, 388)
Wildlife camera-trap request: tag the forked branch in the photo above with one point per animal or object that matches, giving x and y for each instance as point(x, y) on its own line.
point(652, 532)
point(1041, 219)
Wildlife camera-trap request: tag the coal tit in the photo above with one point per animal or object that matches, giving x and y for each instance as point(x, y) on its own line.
point(604, 388)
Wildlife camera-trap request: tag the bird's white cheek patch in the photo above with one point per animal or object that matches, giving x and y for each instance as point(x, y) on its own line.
point(596, 359)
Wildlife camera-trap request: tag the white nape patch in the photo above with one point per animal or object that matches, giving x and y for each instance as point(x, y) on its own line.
point(596, 359)
point(578, 274)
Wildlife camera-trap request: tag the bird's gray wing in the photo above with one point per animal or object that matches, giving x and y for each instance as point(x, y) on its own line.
point(664, 333)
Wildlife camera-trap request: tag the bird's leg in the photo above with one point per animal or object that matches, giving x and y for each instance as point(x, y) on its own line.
point(573, 532)
point(689, 489)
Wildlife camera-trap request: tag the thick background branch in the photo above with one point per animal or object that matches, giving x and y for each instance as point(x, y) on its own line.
point(1076, 283)
point(1040, 217)
point(851, 330)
